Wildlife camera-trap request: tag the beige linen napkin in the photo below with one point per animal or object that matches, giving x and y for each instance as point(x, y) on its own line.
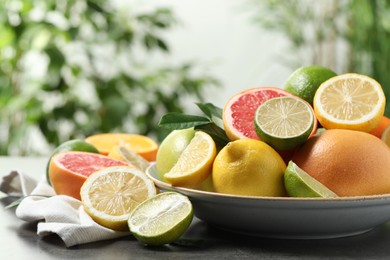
point(59, 214)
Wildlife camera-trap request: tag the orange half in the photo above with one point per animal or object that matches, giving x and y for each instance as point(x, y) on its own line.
point(140, 144)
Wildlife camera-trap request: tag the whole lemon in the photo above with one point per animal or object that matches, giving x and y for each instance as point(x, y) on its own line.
point(249, 167)
point(171, 148)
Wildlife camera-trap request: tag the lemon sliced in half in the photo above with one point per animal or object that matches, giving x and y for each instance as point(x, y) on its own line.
point(299, 183)
point(111, 194)
point(195, 162)
point(161, 219)
point(350, 101)
point(284, 122)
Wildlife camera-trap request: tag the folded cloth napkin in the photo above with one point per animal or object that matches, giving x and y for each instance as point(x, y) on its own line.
point(59, 214)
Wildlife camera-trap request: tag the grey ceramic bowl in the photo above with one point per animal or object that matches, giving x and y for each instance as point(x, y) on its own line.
point(282, 217)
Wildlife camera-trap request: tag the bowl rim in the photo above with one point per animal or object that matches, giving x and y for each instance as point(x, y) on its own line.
point(161, 184)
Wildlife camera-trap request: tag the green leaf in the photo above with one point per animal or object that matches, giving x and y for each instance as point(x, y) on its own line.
point(18, 201)
point(162, 45)
point(14, 204)
point(56, 57)
point(210, 110)
point(6, 36)
point(175, 121)
point(218, 134)
point(210, 124)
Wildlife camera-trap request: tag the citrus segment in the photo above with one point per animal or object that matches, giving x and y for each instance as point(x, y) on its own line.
point(69, 170)
point(124, 153)
point(71, 145)
point(143, 145)
point(300, 184)
point(195, 162)
point(239, 111)
point(350, 101)
point(171, 148)
point(284, 122)
point(161, 219)
point(305, 81)
point(111, 194)
point(249, 167)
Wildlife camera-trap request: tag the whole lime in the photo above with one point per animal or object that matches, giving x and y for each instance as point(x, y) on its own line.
point(305, 81)
point(171, 148)
point(71, 145)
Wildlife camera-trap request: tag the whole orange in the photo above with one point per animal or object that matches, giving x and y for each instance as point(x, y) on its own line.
point(350, 163)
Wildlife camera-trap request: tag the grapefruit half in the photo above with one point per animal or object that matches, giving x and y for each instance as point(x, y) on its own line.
point(239, 111)
point(69, 170)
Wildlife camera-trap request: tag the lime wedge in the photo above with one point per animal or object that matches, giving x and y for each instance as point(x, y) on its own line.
point(299, 183)
point(284, 122)
point(161, 219)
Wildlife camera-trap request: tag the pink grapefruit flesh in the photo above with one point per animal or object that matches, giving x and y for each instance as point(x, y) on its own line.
point(239, 111)
point(69, 170)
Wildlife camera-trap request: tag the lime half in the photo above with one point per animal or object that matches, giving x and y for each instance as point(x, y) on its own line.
point(299, 183)
point(161, 219)
point(284, 122)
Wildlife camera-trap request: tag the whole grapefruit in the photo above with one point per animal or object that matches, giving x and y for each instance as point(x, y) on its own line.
point(350, 163)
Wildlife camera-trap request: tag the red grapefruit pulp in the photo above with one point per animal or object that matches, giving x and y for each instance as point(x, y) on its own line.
point(239, 112)
point(69, 170)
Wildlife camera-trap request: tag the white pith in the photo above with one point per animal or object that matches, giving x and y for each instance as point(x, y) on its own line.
point(347, 99)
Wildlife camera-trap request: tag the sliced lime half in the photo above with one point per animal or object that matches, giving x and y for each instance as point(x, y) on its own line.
point(162, 219)
point(299, 183)
point(284, 122)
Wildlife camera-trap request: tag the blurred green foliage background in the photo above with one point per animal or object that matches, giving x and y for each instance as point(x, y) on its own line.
point(344, 35)
point(72, 68)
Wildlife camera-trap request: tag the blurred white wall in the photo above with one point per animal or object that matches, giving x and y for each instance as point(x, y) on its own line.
point(221, 35)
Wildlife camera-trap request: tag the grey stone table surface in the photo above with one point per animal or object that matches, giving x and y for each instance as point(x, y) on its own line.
point(18, 239)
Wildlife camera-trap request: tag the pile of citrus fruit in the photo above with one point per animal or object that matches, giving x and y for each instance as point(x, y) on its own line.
point(322, 135)
point(107, 173)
